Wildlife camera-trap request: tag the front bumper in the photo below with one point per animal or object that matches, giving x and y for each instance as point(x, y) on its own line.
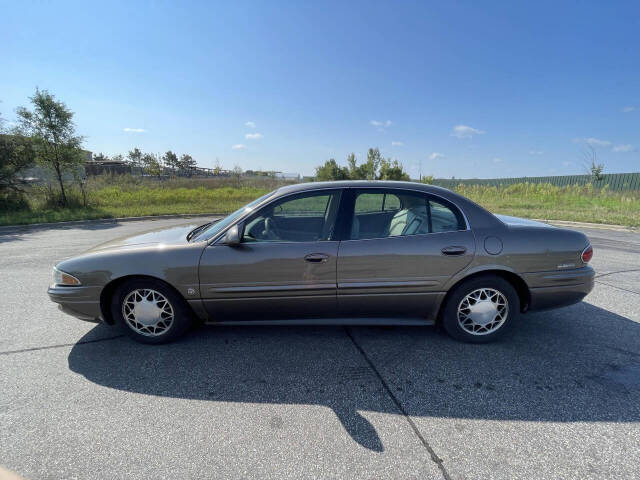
point(80, 302)
point(559, 288)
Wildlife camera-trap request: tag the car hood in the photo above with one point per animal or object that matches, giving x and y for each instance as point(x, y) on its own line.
point(521, 222)
point(176, 235)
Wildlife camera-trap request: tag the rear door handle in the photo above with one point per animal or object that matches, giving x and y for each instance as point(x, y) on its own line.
point(316, 258)
point(453, 250)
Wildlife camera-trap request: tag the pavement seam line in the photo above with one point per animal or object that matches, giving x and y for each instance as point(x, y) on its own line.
point(49, 347)
point(619, 271)
point(434, 457)
point(618, 288)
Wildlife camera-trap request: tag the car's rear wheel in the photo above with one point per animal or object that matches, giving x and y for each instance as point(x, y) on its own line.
point(481, 309)
point(149, 311)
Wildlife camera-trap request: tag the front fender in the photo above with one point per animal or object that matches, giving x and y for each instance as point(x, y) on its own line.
point(175, 264)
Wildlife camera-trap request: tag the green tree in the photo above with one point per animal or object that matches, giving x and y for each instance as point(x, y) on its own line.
point(370, 168)
point(375, 168)
point(187, 163)
point(171, 160)
point(392, 170)
point(16, 155)
point(352, 163)
point(331, 171)
point(151, 164)
point(357, 172)
point(135, 157)
point(428, 179)
point(50, 125)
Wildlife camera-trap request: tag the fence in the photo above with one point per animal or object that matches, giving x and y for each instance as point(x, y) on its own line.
point(615, 181)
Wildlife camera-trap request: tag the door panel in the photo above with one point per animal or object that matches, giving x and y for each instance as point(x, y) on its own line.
point(399, 276)
point(371, 223)
point(269, 280)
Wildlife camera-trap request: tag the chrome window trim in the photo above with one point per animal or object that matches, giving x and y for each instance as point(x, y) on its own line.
point(403, 236)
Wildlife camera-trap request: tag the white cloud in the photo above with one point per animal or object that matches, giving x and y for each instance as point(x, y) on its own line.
point(628, 109)
point(250, 124)
point(623, 148)
point(535, 152)
point(465, 131)
point(594, 142)
point(253, 136)
point(377, 123)
point(497, 160)
point(238, 146)
point(134, 130)
point(397, 144)
point(435, 155)
point(597, 142)
point(566, 164)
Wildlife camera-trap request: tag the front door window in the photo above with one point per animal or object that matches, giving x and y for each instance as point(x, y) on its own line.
point(308, 217)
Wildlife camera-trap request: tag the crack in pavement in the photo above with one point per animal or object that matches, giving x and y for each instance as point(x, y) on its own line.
point(49, 347)
point(434, 457)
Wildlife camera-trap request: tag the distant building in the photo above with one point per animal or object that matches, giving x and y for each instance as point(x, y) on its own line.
point(288, 176)
point(112, 167)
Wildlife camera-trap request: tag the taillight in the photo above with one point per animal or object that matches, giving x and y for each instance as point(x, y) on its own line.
point(587, 253)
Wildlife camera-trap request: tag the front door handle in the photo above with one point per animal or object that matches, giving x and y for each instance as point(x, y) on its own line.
point(316, 258)
point(453, 250)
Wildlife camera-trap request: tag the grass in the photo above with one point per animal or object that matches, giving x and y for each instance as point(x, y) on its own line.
point(129, 197)
point(545, 201)
point(110, 197)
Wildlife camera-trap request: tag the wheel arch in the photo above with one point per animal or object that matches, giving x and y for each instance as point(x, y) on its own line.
point(107, 293)
point(516, 281)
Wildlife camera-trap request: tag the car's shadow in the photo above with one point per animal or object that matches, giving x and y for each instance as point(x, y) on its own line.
point(578, 364)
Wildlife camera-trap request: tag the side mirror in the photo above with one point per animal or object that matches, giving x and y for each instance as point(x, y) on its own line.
point(233, 237)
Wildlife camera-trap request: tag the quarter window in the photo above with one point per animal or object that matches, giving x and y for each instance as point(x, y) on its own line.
point(445, 218)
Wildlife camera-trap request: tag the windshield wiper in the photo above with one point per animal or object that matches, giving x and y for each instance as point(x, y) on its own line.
point(198, 229)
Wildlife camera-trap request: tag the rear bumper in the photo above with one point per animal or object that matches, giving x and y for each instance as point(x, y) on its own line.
point(80, 302)
point(559, 288)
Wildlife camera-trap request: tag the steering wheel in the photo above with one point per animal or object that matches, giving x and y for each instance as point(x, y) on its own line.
point(270, 230)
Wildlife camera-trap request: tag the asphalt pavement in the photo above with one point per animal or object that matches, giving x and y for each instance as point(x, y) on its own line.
point(558, 398)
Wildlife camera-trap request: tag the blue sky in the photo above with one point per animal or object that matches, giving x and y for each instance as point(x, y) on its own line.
point(466, 89)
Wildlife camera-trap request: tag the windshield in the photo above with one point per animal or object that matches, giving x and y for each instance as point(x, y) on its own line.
point(217, 227)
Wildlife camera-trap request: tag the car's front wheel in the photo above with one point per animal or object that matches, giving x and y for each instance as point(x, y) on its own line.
point(481, 309)
point(149, 311)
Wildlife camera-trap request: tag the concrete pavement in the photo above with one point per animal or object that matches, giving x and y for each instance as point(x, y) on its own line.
point(558, 398)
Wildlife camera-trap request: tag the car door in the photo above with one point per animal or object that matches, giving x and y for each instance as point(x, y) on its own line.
point(284, 267)
point(399, 249)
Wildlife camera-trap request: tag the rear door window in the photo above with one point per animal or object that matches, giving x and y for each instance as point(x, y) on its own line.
point(396, 213)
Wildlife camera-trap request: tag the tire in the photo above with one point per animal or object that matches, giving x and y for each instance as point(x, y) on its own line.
point(161, 316)
point(498, 305)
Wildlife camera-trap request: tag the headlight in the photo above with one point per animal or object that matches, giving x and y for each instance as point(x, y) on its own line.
point(63, 278)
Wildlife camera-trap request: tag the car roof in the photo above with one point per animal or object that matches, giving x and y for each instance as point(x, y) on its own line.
point(477, 217)
point(303, 187)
